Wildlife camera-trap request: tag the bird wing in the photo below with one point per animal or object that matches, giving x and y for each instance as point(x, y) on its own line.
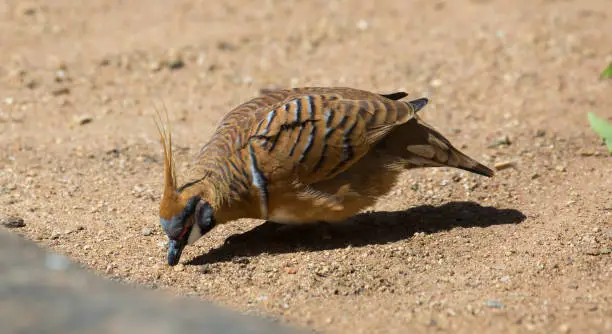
point(314, 136)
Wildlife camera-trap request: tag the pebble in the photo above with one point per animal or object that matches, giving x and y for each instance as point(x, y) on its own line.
point(435, 83)
point(83, 119)
point(175, 60)
point(26, 9)
point(501, 141)
point(179, 267)
point(362, 25)
point(147, 231)
point(505, 164)
point(12, 222)
point(162, 244)
point(60, 91)
point(155, 65)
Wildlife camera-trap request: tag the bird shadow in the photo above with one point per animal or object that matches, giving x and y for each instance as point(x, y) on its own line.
point(363, 229)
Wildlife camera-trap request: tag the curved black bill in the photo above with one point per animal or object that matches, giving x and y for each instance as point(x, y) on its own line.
point(175, 249)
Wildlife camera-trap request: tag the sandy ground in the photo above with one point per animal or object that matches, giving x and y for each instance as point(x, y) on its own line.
point(528, 250)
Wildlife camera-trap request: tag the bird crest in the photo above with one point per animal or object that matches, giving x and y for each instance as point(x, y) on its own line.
point(170, 204)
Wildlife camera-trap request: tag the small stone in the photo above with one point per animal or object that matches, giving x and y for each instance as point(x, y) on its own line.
point(505, 165)
point(86, 247)
point(30, 83)
point(435, 83)
point(291, 271)
point(146, 231)
point(596, 229)
point(241, 260)
point(155, 65)
point(175, 60)
point(362, 25)
point(162, 244)
point(12, 222)
point(83, 119)
point(501, 141)
point(564, 328)
point(179, 267)
point(560, 168)
point(26, 9)
point(201, 60)
point(225, 46)
point(586, 153)
point(494, 303)
point(61, 75)
point(60, 91)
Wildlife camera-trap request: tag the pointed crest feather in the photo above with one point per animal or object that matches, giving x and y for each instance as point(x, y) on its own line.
point(165, 134)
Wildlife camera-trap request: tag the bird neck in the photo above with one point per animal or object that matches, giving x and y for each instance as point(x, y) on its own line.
point(210, 189)
point(223, 192)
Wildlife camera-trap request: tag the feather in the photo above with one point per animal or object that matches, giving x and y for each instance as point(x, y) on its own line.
point(168, 204)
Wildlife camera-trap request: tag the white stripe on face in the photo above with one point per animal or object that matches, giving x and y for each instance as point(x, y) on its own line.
point(195, 234)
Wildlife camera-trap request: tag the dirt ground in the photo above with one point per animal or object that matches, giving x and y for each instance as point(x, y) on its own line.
point(509, 82)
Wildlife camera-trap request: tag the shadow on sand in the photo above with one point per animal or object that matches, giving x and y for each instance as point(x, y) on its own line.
point(363, 229)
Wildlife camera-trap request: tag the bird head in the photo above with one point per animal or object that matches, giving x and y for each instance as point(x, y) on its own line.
point(184, 218)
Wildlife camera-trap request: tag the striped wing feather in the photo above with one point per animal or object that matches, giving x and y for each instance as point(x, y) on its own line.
point(314, 135)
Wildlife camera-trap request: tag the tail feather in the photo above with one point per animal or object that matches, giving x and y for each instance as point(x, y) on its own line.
point(419, 145)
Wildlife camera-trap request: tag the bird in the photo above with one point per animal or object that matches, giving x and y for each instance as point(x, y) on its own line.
point(298, 156)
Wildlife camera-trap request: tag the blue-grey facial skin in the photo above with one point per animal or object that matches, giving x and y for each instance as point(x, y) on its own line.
point(175, 249)
point(174, 227)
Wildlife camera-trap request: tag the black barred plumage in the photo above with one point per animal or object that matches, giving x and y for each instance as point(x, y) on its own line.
point(308, 154)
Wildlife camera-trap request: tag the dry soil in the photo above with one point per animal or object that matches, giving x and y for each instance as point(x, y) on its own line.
point(510, 82)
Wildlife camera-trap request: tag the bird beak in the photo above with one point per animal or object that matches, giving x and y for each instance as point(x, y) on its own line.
point(175, 249)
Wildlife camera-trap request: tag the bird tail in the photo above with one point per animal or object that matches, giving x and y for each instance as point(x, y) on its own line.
point(418, 144)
